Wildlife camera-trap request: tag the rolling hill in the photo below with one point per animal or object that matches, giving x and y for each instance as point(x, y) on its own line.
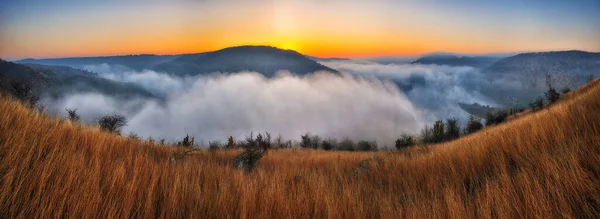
point(455, 60)
point(521, 78)
point(56, 81)
point(543, 164)
point(263, 59)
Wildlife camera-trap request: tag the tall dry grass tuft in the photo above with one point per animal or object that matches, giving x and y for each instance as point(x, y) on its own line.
point(544, 164)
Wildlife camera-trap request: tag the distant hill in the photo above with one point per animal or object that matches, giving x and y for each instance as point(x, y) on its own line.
point(11, 72)
point(522, 78)
point(264, 59)
point(318, 59)
point(455, 60)
point(135, 62)
point(59, 80)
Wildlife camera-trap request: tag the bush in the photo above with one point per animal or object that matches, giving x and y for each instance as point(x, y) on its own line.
point(347, 145)
point(565, 90)
point(473, 125)
point(305, 140)
point(366, 146)
point(254, 149)
point(405, 141)
point(186, 142)
point(438, 131)
point(538, 104)
point(72, 115)
point(328, 144)
point(112, 123)
point(495, 118)
point(230, 143)
point(214, 145)
point(452, 129)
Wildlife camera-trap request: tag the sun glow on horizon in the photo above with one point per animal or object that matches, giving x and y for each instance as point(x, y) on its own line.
point(318, 28)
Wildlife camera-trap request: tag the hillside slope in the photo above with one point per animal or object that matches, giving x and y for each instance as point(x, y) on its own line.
point(542, 165)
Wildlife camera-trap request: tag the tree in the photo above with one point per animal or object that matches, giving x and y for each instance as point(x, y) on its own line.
point(551, 94)
point(565, 90)
point(438, 131)
point(112, 123)
point(314, 142)
point(473, 125)
point(452, 129)
point(72, 115)
point(305, 140)
point(427, 135)
point(230, 143)
point(405, 141)
point(494, 118)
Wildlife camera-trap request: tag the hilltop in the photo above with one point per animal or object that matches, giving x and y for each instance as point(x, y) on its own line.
point(263, 59)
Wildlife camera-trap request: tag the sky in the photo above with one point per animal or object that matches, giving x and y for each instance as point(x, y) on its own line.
point(324, 28)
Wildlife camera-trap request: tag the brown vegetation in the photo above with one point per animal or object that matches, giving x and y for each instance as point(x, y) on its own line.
point(544, 164)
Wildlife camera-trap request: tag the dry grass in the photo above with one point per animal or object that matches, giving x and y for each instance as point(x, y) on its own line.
point(545, 164)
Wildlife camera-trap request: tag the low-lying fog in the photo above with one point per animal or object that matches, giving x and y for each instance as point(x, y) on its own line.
point(363, 103)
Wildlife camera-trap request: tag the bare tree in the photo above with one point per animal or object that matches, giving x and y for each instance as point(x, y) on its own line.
point(112, 123)
point(72, 115)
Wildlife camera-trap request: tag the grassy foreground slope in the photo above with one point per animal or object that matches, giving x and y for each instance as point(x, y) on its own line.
point(544, 164)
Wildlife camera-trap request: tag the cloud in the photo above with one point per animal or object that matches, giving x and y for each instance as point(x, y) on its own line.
point(434, 89)
point(216, 106)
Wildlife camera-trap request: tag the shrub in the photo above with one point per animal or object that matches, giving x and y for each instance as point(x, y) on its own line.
point(473, 125)
point(405, 141)
point(538, 104)
point(72, 115)
point(438, 131)
point(346, 145)
point(366, 146)
point(254, 149)
point(495, 118)
point(186, 142)
point(230, 143)
point(328, 144)
point(112, 123)
point(565, 90)
point(452, 129)
point(214, 145)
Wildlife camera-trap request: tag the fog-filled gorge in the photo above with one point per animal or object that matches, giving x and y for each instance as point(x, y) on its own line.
point(215, 106)
point(367, 101)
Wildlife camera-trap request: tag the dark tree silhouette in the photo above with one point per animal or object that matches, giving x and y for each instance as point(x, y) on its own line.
point(72, 115)
point(551, 94)
point(112, 123)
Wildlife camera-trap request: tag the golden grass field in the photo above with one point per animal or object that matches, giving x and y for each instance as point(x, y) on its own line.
point(544, 164)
